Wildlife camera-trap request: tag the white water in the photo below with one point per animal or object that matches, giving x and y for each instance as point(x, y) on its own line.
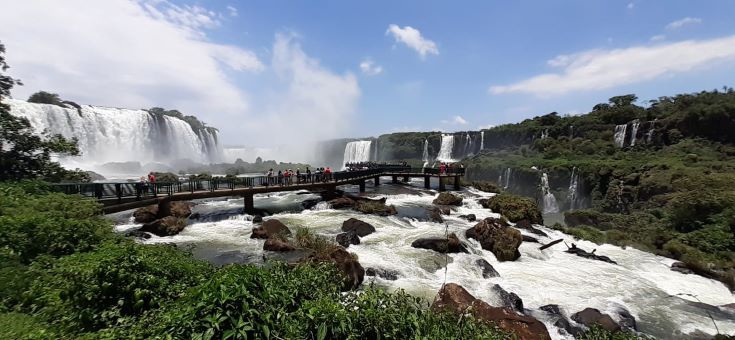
point(504, 178)
point(572, 192)
point(119, 135)
point(425, 156)
point(649, 135)
point(545, 134)
point(642, 282)
point(620, 135)
point(550, 205)
point(468, 145)
point(358, 151)
point(445, 150)
point(482, 140)
point(634, 132)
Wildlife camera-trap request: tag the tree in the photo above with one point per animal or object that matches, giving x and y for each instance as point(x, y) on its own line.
point(23, 154)
point(43, 97)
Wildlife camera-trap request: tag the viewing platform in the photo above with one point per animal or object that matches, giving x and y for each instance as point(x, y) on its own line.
point(123, 196)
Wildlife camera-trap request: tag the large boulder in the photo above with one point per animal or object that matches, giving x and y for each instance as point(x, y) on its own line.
point(388, 274)
point(176, 209)
point(498, 237)
point(277, 244)
point(167, 226)
point(469, 217)
point(590, 317)
point(453, 298)
point(146, 214)
point(360, 228)
point(347, 238)
point(270, 228)
point(561, 321)
point(509, 299)
point(435, 215)
point(341, 203)
point(487, 269)
point(514, 208)
point(349, 266)
point(525, 224)
point(376, 207)
point(450, 244)
point(447, 198)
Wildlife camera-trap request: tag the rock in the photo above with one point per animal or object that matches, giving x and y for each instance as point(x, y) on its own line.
point(347, 238)
point(509, 299)
point(453, 298)
point(387, 274)
point(277, 244)
point(269, 229)
point(495, 235)
point(146, 214)
point(561, 321)
point(446, 198)
point(361, 228)
point(175, 209)
point(445, 210)
point(525, 224)
point(257, 219)
point(451, 244)
point(377, 207)
point(469, 217)
point(435, 215)
point(487, 269)
point(195, 216)
point(434, 261)
point(626, 320)
point(349, 266)
point(681, 267)
point(591, 316)
point(167, 226)
point(514, 208)
point(310, 203)
point(527, 238)
point(341, 203)
point(138, 234)
point(729, 306)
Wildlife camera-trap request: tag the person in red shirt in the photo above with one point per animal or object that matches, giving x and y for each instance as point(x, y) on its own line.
point(152, 181)
point(442, 168)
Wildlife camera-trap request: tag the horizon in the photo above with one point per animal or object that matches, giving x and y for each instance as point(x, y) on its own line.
point(442, 68)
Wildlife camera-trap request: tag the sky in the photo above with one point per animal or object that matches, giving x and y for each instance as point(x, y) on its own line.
point(268, 72)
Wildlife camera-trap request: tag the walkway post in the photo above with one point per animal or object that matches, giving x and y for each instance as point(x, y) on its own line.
point(427, 182)
point(442, 184)
point(456, 182)
point(376, 181)
point(405, 179)
point(249, 204)
point(362, 185)
point(395, 179)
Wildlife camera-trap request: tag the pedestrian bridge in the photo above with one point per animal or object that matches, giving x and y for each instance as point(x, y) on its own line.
point(122, 196)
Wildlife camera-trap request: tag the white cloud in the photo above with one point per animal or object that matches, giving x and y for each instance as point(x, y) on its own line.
point(631, 5)
point(601, 69)
point(455, 120)
point(232, 11)
point(683, 22)
point(485, 127)
point(658, 37)
point(135, 54)
point(369, 67)
point(412, 38)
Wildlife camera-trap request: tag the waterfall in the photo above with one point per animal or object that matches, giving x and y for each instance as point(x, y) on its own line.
point(571, 131)
point(468, 145)
point(358, 151)
point(634, 131)
point(504, 178)
point(425, 156)
point(572, 193)
point(375, 157)
point(620, 135)
point(482, 140)
point(545, 134)
point(120, 135)
point(550, 205)
point(649, 135)
point(445, 151)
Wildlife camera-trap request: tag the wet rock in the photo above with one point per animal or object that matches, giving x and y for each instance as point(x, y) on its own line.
point(495, 235)
point(590, 317)
point(349, 266)
point(257, 219)
point(290, 257)
point(434, 262)
point(447, 198)
point(341, 203)
point(527, 238)
point(270, 228)
point(488, 270)
point(277, 244)
point(138, 234)
point(626, 320)
point(310, 203)
point(509, 299)
point(588, 255)
point(560, 320)
point(526, 225)
point(681, 267)
point(195, 216)
point(167, 226)
point(360, 228)
point(435, 215)
point(729, 306)
point(515, 208)
point(347, 238)
point(469, 217)
point(453, 298)
point(450, 244)
point(176, 209)
point(445, 210)
point(387, 274)
point(375, 207)
point(146, 214)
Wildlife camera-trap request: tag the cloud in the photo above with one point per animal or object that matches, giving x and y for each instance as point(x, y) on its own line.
point(658, 37)
point(135, 54)
point(683, 22)
point(412, 38)
point(631, 5)
point(601, 69)
point(485, 127)
point(455, 120)
point(232, 11)
point(369, 68)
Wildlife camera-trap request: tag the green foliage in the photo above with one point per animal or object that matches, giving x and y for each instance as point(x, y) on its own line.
point(321, 245)
point(195, 123)
point(43, 97)
point(486, 186)
point(24, 326)
point(599, 333)
point(515, 208)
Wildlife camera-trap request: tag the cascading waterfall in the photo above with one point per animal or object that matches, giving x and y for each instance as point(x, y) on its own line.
point(545, 134)
point(468, 145)
point(649, 135)
point(482, 140)
point(358, 151)
point(571, 131)
point(445, 151)
point(572, 192)
point(375, 157)
point(550, 205)
point(504, 178)
point(634, 132)
point(425, 156)
point(620, 135)
point(120, 135)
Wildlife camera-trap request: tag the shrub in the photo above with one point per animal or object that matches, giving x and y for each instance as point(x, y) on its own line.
point(515, 208)
point(321, 246)
point(24, 326)
point(486, 186)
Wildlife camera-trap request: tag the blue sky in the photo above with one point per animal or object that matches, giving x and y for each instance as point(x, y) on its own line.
point(427, 65)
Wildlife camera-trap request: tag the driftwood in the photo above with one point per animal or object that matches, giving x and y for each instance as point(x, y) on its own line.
point(588, 255)
point(550, 244)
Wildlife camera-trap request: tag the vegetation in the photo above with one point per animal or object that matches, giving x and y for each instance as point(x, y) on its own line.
point(196, 125)
point(515, 208)
point(43, 97)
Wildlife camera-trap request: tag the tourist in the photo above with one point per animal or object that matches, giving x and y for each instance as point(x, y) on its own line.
point(280, 177)
point(152, 182)
point(328, 174)
point(269, 180)
point(308, 174)
point(442, 168)
point(298, 175)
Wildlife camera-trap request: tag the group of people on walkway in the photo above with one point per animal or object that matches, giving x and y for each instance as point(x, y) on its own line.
point(288, 177)
point(146, 183)
point(355, 166)
point(451, 168)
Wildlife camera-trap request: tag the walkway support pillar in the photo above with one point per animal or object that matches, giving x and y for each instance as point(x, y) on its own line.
point(456, 183)
point(427, 182)
point(405, 179)
point(442, 183)
point(376, 180)
point(395, 179)
point(249, 204)
point(362, 185)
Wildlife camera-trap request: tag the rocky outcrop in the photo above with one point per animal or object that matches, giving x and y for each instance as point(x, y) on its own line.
point(435, 215)
point(277, 244)
point(146, 214)
point(360, 228)
point(446, 198)
point(450, 244)
point(526, 225)
point(498, 237)
point(257, 219)
point(681, 267)
point(347, 238)
point(388, 274)
point(453, 298)
point(509, 299)
point(138, 234)
point(375, 207)
point(176, 209)
point(488, 270)
point(167, 226)
point(590, 317)
point(514, 208)
point(270, 228)
point(469, 217)
point(353, 272)
point(561, 321)
point(341, 203)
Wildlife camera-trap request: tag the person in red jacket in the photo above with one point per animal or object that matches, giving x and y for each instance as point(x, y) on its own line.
point(152, 182)
point(442, 168)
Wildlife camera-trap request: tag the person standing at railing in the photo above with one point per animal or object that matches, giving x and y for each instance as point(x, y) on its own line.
point(298, 175)
point(328, 174)
point(308, 174)
point(152, 182)
point(442, 168)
